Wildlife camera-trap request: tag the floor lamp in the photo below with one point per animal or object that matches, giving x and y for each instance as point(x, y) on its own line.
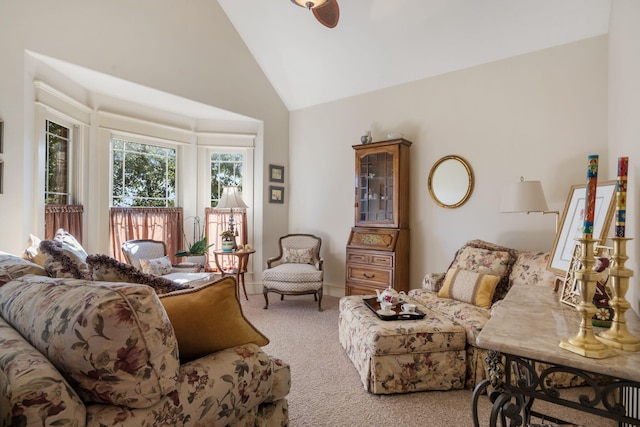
point(231, 199)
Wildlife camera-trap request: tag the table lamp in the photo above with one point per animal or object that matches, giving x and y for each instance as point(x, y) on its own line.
point(231, 199)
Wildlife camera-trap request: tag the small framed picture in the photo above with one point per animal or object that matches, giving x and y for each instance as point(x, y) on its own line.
point(276, 194)
point(276, 173)
point(1, 136)
point(1, 176)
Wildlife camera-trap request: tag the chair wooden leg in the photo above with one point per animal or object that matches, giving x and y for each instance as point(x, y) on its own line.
point(319, 299)
point(265, 291)
point(281, 297)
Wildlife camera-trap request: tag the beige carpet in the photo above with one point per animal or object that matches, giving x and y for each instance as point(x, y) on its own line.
point(326, 388)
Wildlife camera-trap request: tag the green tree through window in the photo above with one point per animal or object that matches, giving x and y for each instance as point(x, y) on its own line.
point(58, 139)
point(226, 170)
point(143, 174)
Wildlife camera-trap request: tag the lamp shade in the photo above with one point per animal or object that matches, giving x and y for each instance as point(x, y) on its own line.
point(231, 199)
point(523, 196)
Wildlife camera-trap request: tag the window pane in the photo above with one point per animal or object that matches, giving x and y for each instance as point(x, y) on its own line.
point(143, 174)
point(226, 170)
point(57, 164)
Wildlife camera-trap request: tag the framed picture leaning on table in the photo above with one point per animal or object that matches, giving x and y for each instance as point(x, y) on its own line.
point(572, 223)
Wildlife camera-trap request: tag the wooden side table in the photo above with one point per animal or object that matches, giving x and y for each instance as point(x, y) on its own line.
point(240, 268)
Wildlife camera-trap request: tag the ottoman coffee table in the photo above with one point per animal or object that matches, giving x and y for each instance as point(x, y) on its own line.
point(401, 356)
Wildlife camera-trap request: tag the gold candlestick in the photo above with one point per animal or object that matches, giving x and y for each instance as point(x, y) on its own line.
point(584, 342)
point(618, 336)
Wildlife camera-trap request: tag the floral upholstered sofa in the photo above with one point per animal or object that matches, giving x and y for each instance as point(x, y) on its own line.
point(439, 352)
point(509, 265)
point(83, 352)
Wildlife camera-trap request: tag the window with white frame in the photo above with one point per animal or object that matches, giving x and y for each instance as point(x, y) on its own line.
point(143, 174)
point(229, 166)
point(60, 188)
point(58, 152)
point(226, 170)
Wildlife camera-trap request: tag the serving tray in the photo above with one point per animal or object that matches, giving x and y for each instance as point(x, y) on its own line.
point(398, 314)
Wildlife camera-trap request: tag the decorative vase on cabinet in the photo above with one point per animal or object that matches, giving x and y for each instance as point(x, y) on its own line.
point(378, 247)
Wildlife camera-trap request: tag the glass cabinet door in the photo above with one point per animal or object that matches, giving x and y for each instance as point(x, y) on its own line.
point(376, 188)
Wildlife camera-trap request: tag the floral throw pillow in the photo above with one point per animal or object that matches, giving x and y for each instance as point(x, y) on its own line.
point(60, 263)
point(298, 256)
point(12, 267)
point(70, 245)
point(158, 266)
point(113, 342)
point(106, 269)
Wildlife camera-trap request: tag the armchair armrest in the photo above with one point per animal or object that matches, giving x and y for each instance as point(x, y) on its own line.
point(432, 282)
point(186, 267)
point(274, 261)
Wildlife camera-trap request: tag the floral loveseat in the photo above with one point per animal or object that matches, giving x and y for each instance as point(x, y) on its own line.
point(78, 352)
point(509, 265)
point(410, 359)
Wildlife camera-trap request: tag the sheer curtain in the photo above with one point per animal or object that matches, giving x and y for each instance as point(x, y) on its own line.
point(164, 224)
point(67, 217)
point(217, 220)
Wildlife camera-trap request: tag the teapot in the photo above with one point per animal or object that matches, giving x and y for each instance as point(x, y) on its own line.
point(390, 295)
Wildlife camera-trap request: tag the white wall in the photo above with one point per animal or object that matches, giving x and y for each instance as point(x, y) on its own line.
point(190, 50)
point(624, 120)
point(537, 115)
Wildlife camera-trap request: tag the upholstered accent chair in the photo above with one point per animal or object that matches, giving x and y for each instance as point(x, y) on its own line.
point(150, 257)
point(297, 270)
point(136, 250)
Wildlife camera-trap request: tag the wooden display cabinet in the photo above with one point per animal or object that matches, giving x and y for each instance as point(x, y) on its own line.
point(382, 184)
point(378, 246)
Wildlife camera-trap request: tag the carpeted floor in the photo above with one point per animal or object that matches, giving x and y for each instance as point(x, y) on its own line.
point(325, 387)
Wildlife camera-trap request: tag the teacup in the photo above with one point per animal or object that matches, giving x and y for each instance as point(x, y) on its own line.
point(409, 308)
point(385, 306)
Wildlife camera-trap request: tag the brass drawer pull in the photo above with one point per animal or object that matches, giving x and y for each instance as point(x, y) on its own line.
point(368, 276)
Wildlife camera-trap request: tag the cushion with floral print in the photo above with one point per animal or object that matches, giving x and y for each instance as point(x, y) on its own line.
point(113, 342)
point(69, 243)
point(32, 251)
point(12, 266)
point(298, 256)
point(480, 256)
point(158, 266)
point(33, 390)
point(106, 269)
point(61, 263)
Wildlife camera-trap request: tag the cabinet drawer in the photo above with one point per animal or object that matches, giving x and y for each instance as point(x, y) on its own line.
point(353, 289)
point(370, 259)
point(375, 276)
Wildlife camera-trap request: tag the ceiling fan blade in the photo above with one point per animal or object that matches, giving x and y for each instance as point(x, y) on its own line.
point(327, 14)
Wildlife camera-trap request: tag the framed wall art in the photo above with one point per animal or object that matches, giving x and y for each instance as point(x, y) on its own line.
point(572, 223)
point(276, 194)
point(1, 137)
point(276, 173)
point(1, 176)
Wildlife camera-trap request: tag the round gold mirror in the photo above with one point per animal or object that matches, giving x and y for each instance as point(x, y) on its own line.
point(451, 182)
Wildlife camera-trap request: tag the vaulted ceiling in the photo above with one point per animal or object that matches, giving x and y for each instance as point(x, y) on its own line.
point(383, 43)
